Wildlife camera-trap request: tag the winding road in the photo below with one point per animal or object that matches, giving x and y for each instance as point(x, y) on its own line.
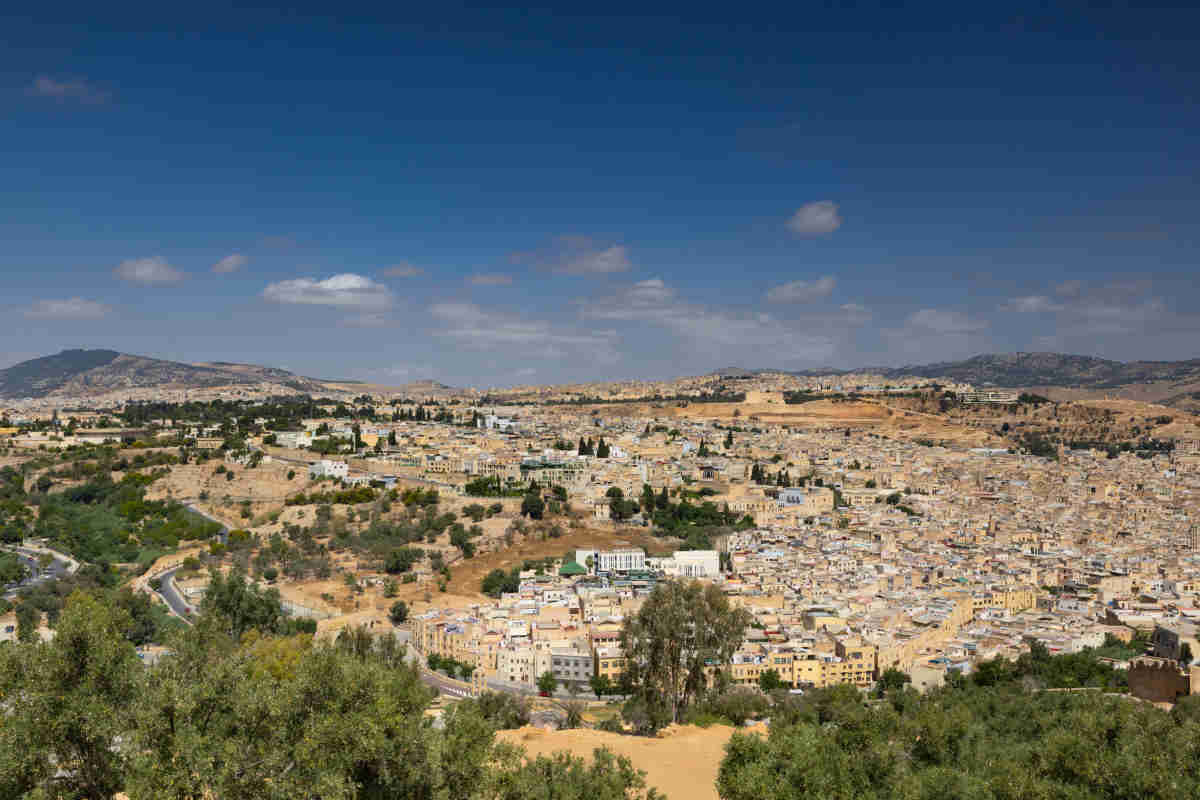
point(60, 566)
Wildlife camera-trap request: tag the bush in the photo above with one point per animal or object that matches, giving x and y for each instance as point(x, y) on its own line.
point(503, 710)
point(737, 705)
point(611, 725)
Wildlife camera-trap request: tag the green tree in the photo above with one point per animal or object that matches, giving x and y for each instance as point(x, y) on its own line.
point(241, 604)
point(891, 680)
point(28, 618)
point(332, 725)
point(561, 776)
point(769, 680)
point(398, 613)
point(601, 685)
point(680, 629)
point(547, 683)
point(67, 702)
point(533, 506)
point(503, 710)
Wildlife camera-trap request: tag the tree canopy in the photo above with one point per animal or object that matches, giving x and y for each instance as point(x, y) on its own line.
point(259, 718)
point(681, 630)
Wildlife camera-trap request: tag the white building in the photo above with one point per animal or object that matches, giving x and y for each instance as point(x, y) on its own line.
point(689, 564)
point(325, 468)
point(293, 439)
point(624, 560)
point(494, 423)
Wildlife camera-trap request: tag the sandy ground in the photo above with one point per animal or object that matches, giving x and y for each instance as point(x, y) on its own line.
point(681, 763)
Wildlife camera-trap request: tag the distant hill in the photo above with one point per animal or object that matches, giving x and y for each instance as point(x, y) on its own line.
point(1053, 369)
point(1016, 370)
point(78, 372)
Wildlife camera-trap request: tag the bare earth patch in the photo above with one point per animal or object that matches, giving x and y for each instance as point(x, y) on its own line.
point(682, 762)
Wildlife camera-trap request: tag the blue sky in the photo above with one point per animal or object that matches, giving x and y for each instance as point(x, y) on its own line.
point(491, 196)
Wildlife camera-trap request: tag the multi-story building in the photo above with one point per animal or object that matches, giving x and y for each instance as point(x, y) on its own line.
point(625, 560)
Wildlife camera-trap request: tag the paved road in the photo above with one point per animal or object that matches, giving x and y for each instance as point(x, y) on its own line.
point(57, 569)
point(167, 589)
point(169, 593)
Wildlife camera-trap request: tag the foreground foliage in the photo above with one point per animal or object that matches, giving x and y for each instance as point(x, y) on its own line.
point(257, 716)
point(996, 742)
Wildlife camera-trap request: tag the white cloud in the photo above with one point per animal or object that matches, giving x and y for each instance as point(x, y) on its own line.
point(815, 219)
point(153, 271)
point(947, 323)
point(802, 291)
point(490, 279)
point(610, 259)
point(63, 90)
point(71, 308)
point(1033, 304)
point(577, 255)
point(230, 263)
point(343, 291)
point(471, 326)
point(402, 270)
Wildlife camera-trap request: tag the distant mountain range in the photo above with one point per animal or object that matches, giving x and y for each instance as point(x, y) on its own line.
point(1029, 369)
point(79, 372)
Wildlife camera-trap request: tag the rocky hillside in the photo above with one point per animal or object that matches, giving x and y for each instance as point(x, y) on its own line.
point(78, 372)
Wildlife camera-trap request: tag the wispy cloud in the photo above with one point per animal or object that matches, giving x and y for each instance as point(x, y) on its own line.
point(745, 334)
point(815, 219)
point(477, 328)
point(1032, 304)
point(1083, 312)
point(490, 279)
point(577, 255)
point(71, 308)
point(802, 291)
point(72, 90)
point(402, 270)
point(944, 322)
point(152, 271)
point(342, 291)
point(230, 263)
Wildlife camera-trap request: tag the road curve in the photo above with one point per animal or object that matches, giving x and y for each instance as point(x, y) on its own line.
point(57, 569)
